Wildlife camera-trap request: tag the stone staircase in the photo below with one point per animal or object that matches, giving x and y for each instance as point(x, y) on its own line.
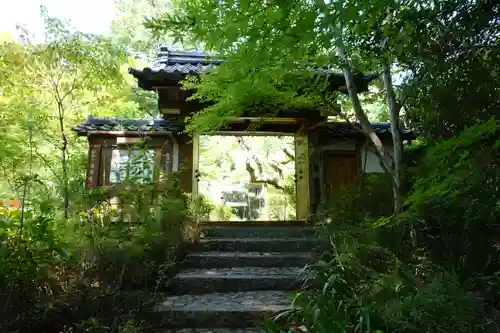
point(239, 275)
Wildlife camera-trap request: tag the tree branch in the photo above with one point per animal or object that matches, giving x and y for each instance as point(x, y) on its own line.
point(252, 172)
point(358, 109)
point(255, 180)
point(75, 86)
point(289, 155)
point(44, 160)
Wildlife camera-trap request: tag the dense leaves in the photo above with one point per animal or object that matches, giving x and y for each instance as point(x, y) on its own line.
point(127, 28)
point(431, 268)
point(456, 79)
point(61, 244)
point(459, 181)
point(382, 272)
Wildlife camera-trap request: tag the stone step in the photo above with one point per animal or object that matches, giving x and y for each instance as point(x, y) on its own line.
point(220, 310)
point(241, 259)
point(216, 330)
point(241, 231)
point(236, 279)
point(250, 244)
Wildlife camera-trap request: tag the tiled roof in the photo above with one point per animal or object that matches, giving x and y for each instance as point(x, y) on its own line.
point(184, 62)
point(187, 62)
point(342, 129)
point(330, 130)
point(127, 125)
point(181, 63)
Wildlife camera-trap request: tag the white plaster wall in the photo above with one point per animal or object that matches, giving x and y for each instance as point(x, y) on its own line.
point(372, 161)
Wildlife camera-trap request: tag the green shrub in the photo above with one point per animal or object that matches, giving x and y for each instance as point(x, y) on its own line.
point(223, 213)
point(200, 207)
point(454, 204)
point(369, 280)
point(360, 286)
point(46, 258)
point(140, 250)
point(439, 304)
point(353, 204)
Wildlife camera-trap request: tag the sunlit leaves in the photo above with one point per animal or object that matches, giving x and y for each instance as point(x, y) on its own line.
point(452, 164)
point(66, 77)
point(267, 42)
point(128, 29)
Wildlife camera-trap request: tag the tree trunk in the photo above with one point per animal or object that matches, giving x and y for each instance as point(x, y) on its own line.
point(396, 139)
point(391, 164)
point(63, 151)
point(386, 159)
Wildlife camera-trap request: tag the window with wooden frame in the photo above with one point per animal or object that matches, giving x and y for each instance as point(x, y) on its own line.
point(131, 165)
point(112, 163)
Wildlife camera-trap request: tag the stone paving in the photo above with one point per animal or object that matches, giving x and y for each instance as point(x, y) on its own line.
point(218, 259)
point(236, 279)
point(217, 330)
point(238, 272)
point(268, 231)
point(219, 302)
point(256, 244)
point(252, 254)
point(222, 310)
point(220, 294)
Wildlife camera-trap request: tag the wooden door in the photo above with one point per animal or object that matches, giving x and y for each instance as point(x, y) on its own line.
point(340, 169)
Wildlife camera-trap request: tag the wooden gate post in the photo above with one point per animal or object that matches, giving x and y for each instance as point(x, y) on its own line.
point(302, 176)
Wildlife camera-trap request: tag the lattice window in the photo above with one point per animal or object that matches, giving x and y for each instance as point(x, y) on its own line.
point(133, 165)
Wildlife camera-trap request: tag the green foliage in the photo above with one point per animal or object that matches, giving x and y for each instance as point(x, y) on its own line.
point(455, 78)
point(223, 213)
point(233, 92)
point(32, 249)
point(456, 191)
point(370, 278)
point(358, 285)
point(44, 258)
point(461, 157)
point(354, 204)
point(111, 240)
point(440, 304)
point(128, 29)
point(47, 88)
point(201, 207)
point(273, 48)
point(374, 277)
point(292, 40)
point(139, 247)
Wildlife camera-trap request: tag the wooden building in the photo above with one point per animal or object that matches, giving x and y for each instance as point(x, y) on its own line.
point(328, 155)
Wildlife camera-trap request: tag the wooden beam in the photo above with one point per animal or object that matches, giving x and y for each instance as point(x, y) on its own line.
point(249, 133)
point(276, 120)
point(128, 140)
point(170, 111)
point(129, 133)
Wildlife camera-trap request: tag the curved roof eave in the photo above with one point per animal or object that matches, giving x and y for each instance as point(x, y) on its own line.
point(173, 66)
